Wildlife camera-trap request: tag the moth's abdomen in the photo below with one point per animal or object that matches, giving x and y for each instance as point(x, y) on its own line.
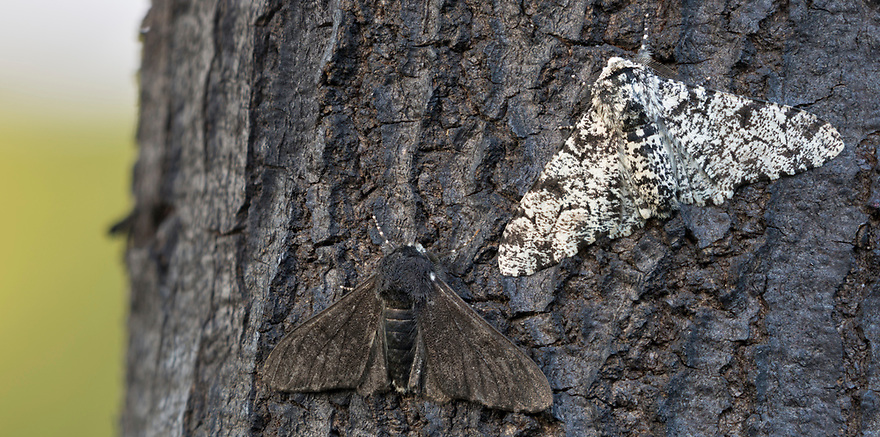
point(646, 155)
point(646, 160)
point(400, 339)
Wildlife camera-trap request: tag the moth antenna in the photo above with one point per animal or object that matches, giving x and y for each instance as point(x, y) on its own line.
point(385, 244)
point(466, 243)
point(644, 54)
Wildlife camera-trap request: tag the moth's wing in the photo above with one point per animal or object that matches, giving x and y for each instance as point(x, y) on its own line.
point(724, 140)
point(336, 349)
point(580, 195)
point(466, 358)
point(375, 378)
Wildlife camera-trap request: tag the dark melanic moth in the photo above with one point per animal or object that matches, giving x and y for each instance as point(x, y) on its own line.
point(647, 145)
point(405, 328)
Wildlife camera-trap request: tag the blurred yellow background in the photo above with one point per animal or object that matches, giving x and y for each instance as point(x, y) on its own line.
point(67, 122)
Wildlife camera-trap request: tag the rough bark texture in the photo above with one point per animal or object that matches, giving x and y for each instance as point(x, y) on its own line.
point(271, 131)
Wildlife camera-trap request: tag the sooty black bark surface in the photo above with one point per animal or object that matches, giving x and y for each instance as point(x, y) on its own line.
point(272, 131)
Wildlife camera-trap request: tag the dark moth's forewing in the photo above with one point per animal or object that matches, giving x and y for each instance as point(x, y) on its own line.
point(466, 358)
point(332, 349)
point(457, 354)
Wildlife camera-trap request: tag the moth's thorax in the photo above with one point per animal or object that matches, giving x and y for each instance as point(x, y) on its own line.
point(622, 96)
point(404, 277)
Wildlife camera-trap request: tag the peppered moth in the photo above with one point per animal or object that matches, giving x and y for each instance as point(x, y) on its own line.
point(404, 328)
point(646, 145)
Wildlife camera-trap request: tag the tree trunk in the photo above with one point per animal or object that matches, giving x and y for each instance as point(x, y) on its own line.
point(272, 131)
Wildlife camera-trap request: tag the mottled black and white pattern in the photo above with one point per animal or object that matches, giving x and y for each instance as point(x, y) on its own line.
point(647, 145)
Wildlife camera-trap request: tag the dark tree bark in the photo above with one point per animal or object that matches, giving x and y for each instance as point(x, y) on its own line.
point(272, 131)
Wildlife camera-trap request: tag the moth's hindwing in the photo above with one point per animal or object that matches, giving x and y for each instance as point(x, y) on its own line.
point(331, 350)
point(466, 358)
point(724, 140)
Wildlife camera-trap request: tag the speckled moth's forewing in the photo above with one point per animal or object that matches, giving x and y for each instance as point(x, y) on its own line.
point(646, 145)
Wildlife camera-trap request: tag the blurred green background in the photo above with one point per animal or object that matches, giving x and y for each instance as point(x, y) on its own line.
point(67, 122)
